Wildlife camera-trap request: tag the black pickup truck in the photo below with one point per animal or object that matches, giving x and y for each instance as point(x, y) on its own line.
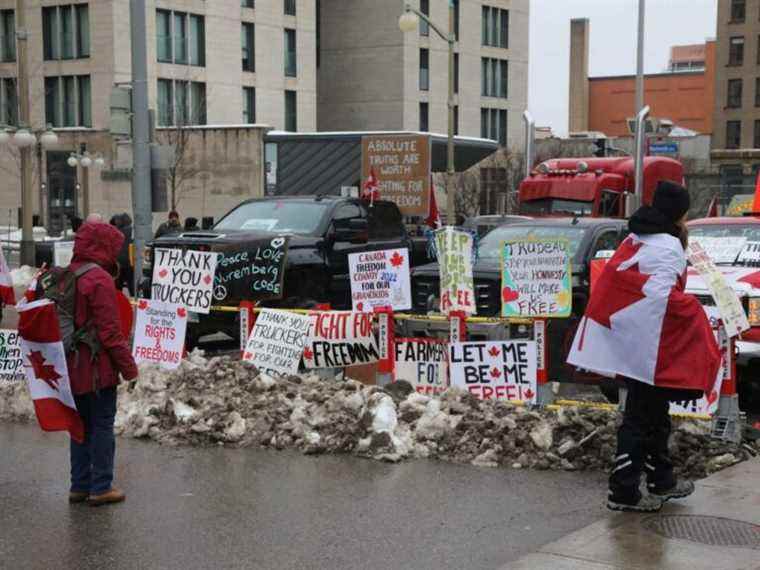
point(321, 231)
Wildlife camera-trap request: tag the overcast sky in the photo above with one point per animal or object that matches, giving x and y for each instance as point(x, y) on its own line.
point(612, 46)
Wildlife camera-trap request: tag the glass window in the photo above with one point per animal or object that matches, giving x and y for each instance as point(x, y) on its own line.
point(165, 103)
point(425, 9)
point(424, 119)
point(757, 92)
point(484, 123)
point(179, 35)
point(736, 50)
point(50, 34)
point(293, 216)
point(85, 101)
point(83, 30)
point(197, 40)
point(734, 99)
point(733, 134)
point(248, 47)
point(198, 102)
point(491, 245)
point(290, 7)
point(502, 127)
point(249, 105)
point(504, 35)
point(8, 35)
point(69, 102)
point(456, 73)
point(456, 19)
point(456, 120)
point(738, 10)
point(756, 138)
point(164, 35)
point(345, 213)
point(485, 34)
point(9, 109)
point(503, 78)
point(181, 112)
point(424, 69)
point(291, 112)
point(67, 32)
point(52, 102)
point(247, 3)
point(290, 53)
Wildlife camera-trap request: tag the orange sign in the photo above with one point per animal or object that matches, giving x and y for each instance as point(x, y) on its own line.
point(401, 164)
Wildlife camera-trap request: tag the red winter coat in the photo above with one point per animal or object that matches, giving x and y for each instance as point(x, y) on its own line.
point(96, 302)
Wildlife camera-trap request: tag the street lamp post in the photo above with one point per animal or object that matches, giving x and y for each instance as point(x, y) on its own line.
point(408, 22)
point(84, 160)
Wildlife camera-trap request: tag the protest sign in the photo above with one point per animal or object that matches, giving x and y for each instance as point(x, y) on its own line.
point(401, 165)
point(454, 251)
point(256, 273)
point(499, 370)
point(277, 341)
point(536, 278)
point(750, 253)
point(159, 333)
point(63, 251)
point(184, 278)
point(424, 363)
point(380, 279)
point(11, 360)
point(340, 338)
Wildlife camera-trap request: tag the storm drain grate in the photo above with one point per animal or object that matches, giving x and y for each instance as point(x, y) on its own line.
point(714, 531)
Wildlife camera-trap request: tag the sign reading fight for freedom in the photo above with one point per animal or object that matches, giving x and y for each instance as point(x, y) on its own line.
point(184, 278)
point(340, 338)
point(277, 341)
point(401, 164)
point(454, 251)
point(159, 333)
point(11, 360)
point(495, 370)
point(254, 274)
point(380, 279)
point(536, 278)
point(424, 363)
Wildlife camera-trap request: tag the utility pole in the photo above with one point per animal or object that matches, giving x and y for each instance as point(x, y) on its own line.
point(141, 199)
point(25, 152)
point(451, 209)
point(640, 60)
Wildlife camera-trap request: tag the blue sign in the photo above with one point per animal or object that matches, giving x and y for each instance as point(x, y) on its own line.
point(663, 148)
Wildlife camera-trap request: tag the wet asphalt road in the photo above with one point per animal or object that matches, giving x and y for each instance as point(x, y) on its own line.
point(239, 508)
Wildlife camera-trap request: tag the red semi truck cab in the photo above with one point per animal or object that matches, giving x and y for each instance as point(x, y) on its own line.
point(591, 186)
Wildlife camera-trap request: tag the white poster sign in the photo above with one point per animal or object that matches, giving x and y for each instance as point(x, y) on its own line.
point(159, 333)
point(380, 279)
point(11, 360)
point(454, 251)
point(277, 341)
point(340, 338)
point(184, 278)
point(424, 363)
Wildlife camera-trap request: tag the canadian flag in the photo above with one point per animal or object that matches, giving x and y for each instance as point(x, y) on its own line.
point(712, 208)
point(640, 324)
point(46, 371)
point(6, 283)
point(434, 216)
point(371, 187)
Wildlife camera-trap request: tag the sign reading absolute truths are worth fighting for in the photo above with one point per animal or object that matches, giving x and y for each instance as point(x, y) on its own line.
point(159, 333)
point(454, 251)
point(340, 338)
point(495, 370)
point(277, 341)
point(184, 278)
point(536, 278)
point(11, 361)
point(380, 279)
point(424, 363)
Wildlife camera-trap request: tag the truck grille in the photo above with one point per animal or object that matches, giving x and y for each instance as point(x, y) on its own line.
point(486, 295)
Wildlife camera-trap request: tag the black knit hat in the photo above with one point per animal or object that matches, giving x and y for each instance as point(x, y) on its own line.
point(671, 199)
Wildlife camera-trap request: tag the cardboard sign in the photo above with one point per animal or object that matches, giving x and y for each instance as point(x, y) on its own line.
point(11, 360)
point(380, 279)
point(721, 249)
point(454, 251)
point(500, 370)
point(726, 300)
point(159, 333)
point(536, 278)
point(424, 363)
point(255, 274)
point(63, 251)
point(184, 278)
point(339, 339)
point(401, 164)
point(277, 341)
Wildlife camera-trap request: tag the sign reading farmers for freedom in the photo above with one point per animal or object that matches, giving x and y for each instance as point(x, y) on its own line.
point(184, 278)
point(454, 251)
point(255, 274)
point(380, 279)
point(277, 341)
point(11, 361)
point(424, 363)
point(340, 338)
point(500, 370)
point(159, 333)
point(536, 278)
point(401, 165)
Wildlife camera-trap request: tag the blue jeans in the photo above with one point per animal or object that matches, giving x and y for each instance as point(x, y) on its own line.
point(92, 461)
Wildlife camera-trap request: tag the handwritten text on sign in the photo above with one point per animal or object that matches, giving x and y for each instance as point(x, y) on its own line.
point(536, 278)
point(11, 361)
point(380, 279)
point(255, 273)
point(277, 341)
point(500, 370)
point(184, 278)
point(159, 333)
point(424, 364)
point(340, 338)
point(454, 250)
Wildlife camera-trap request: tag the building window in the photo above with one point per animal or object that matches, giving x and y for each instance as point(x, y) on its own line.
point(247, 3)
point(424, 117)
point(424, 69)
point(180, 38)
point(8, 102)
point(493, 125)
point(738, 11)
point(734, 99)
point(495, 27)
point(456, 19)
point(181, 103)
point(68, 101)
point(756, 137)
point(456, 120)
point(456, 73)
point(494, 77)
point(493, 182)
point(733, 134)
point(65, 32)
point(425, 9)
point(249, 51)
point(249, 105)
point(165, 102)
point(290, 53)
point(757, 92)
point(290, 7)
point(291, 112)
point(736, 50)
point(7, 35)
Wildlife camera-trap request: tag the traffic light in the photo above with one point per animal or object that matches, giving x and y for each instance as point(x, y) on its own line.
point(600, 148)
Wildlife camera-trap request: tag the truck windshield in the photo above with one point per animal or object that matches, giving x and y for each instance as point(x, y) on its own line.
point(490, 245)
point(282, 216)
point(555, 206)
point(732, 244)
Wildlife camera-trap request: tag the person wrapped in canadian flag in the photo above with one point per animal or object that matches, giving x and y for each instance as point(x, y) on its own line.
point(640, 326)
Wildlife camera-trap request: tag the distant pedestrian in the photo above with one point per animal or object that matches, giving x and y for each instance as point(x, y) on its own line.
point(123, 222)
point(191, 225)
point(94, 218)
point(169, 227)
point(641, 327)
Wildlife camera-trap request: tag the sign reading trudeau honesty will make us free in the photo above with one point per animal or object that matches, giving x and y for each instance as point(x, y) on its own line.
point(184, 278)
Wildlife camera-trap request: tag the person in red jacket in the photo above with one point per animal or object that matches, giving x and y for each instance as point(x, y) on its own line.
point(95, 366)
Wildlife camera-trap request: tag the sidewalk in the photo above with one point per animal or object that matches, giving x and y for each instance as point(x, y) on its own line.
point(621, 541)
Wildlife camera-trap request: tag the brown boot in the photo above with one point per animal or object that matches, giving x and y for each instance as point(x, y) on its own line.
point(111, 496)
point(78, 496)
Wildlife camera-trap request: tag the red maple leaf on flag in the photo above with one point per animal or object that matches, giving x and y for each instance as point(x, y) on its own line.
point(42, 371)
point(308, 354)
point(528, 394)
point(495, 372)
point(494, 351)
point(397, 260)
